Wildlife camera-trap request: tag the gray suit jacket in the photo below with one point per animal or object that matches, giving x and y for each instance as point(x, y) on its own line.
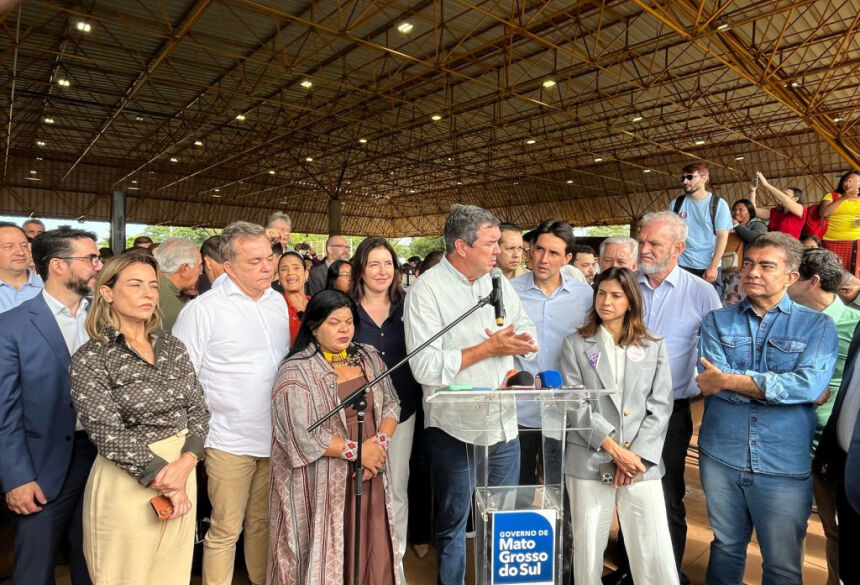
point(641, 411)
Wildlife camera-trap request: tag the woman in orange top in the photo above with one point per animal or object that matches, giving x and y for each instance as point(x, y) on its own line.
point(292, 275)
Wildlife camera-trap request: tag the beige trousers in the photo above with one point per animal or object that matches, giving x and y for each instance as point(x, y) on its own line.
point(124, 542)
point(239, 492)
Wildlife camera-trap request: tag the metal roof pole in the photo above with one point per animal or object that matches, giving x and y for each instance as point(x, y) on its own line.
point(117, 221)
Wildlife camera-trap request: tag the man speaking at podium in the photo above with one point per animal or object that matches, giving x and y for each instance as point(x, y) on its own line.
point(477, 352)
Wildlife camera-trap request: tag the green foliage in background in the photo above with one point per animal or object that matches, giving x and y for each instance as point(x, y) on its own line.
point(424, 245)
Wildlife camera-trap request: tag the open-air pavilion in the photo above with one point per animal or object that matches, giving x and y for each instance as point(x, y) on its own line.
point(378, 115)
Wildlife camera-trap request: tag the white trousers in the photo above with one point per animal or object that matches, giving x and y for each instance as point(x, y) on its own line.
point(642, 513)
point(399, 454)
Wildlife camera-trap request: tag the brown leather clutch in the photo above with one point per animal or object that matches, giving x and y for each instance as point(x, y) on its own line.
point(162, 507)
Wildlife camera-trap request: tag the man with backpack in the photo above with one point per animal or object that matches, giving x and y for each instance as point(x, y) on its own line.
point(709, 222)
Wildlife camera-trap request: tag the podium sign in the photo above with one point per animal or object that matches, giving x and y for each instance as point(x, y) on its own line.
point(523, 549)
point(520, 529)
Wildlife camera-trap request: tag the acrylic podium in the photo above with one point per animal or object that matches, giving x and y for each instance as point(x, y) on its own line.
point(520, 528)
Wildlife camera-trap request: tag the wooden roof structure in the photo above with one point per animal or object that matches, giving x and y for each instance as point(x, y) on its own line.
point(208, 111)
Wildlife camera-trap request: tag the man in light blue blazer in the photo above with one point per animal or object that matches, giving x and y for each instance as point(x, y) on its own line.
point(44, 460)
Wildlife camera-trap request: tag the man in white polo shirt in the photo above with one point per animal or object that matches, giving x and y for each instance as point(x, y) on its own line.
point(237, 334)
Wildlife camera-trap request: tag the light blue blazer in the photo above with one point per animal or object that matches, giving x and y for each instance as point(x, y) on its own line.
point(641, 411)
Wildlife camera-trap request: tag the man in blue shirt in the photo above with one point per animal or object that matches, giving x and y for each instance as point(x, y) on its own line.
point(557, 304)
point(708, 232)
point(765, 362)
point(17, 282)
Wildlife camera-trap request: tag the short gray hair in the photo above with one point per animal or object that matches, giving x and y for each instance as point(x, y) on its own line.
point(464, 222)
point(278, 216)
point(173, 253)
point(237, 230)
point(32, 220)
point(634, 245)
point(675, 221)
point(791, 247)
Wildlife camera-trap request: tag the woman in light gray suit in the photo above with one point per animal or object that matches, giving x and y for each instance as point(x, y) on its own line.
point(615, 460)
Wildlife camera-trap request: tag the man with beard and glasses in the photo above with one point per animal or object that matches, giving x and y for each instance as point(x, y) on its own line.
point(45, 456)
point(675, 304)
point(709, 222)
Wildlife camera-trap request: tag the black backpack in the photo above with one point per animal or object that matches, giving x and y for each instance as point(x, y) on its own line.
point(715, 201)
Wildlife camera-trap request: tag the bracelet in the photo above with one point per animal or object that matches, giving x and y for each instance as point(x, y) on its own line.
point(193, 456)
point(349, 451)
point(383, 440)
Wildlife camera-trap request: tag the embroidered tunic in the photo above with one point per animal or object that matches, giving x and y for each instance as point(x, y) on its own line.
point(308, 493)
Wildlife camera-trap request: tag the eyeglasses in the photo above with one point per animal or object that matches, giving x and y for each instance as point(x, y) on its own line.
point(94, 259)
point(688, 177)
point(344, 275)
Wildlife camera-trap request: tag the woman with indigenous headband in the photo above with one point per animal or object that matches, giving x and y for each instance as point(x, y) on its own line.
point(138, 398)
point(377, 292)
point(613, 459)
point(842, 208)
point(312, 499)
point(788, 216)
point(292, 275)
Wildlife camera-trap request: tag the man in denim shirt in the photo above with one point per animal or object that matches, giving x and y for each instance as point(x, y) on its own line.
point(765, 363)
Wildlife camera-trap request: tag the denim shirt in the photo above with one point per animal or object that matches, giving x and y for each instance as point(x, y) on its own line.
point(789, 353)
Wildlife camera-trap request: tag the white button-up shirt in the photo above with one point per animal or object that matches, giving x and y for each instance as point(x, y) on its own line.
point(236, 345)
point(437, 298)
point(72, 327)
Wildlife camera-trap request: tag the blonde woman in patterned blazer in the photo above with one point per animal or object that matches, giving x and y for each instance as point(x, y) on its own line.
point(138, 398)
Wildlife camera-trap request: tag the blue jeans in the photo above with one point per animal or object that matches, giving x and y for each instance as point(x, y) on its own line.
point(778, 507)
point(452, 475)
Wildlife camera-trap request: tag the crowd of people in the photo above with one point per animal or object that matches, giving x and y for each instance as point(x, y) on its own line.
point(118, 376)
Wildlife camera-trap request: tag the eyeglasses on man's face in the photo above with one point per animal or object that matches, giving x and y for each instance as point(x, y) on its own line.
point(94, 259)
point(688, 177)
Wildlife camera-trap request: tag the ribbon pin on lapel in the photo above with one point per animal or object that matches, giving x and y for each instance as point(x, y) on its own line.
point(594, 359)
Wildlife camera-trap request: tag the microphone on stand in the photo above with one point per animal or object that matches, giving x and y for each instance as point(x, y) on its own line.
point(549, 379)
point(498, 304)
point(521, 379)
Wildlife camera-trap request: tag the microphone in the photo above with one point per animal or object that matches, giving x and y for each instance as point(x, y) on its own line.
point(549, 379)
point(498, 305)
point(515, 379)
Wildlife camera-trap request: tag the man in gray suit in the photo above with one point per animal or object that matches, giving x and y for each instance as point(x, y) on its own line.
point(336, 248)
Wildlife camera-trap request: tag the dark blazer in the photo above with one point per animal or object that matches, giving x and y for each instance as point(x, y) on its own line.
point(829, 457)
point(317, 278)
point(37, 419)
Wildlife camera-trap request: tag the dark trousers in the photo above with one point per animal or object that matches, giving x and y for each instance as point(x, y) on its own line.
point(678, 437)
point(420, 494)
point(537, 450)
point(38, 536)
point(849, 533)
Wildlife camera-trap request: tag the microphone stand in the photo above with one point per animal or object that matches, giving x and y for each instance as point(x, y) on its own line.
point(358, 401)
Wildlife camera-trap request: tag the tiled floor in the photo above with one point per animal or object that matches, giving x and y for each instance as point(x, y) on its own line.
point(423, 571)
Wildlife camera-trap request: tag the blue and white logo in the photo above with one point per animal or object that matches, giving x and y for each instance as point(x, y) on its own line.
point(523, 547)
